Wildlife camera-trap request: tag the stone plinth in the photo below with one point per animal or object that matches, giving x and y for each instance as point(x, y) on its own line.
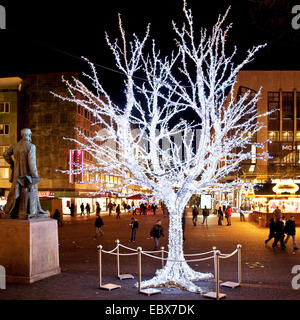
point(29, 249)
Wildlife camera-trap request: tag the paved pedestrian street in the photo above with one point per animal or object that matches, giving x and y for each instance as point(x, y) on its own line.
point(266, 272)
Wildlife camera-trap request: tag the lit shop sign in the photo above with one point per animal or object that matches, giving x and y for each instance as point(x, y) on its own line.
point(286, 186)
point(46, 194)
point(75, 166)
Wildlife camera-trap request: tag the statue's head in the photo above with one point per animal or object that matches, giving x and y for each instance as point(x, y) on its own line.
point(26, 134)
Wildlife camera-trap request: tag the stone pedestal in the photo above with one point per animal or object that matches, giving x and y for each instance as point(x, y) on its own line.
point(29, 249)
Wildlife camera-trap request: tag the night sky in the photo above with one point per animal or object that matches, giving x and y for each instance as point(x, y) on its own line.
point(38, 32)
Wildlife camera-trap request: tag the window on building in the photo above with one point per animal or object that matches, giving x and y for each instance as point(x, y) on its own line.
point(4, 128)
point(4, 107)
point(287, 136)
point(298, 136)
point(274, 104)
point(273, 135)
point(287, 105)
point(298, 104)
point(4, 173)
point(251, 94)
point(3, 163)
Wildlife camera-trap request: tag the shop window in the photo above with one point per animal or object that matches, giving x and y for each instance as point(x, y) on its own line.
point(298, 136)
point(287, 136)
point(4, 129)
point(274, 104)
point(274, 135)
point(4, 107)
point(287, 105)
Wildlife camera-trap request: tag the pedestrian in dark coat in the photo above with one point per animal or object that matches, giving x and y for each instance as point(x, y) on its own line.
point(195, 213)
point(118, 211)
point(220, 216)
point(88, 209)
point(279, 233)
point(82, 209)
point(98, 209)
point(156, 232)
point(134, 226)
point(154, 206)
point(290, 230)
point(205, 213)
point(98, 224)
point(271, 230)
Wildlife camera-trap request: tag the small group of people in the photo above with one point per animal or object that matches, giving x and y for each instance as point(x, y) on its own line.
point(156, 231)
point(87, 208)
point(279, 227)
point(227, 211)
point(195, 213)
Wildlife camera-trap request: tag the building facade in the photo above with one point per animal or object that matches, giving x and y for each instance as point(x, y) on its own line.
point(280, 95)
point(28, 102)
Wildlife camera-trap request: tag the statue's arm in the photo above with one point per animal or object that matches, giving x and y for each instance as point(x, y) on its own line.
point(7, 155)
point(32, 161)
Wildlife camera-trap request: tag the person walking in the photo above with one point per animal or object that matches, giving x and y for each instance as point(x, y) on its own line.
point(98, 225)
point(279, 234)
point(156, 232)
point(220, 216)
point(154, 206)
point(290, 230)
point(118, 211)
point(98, 209)
point(134, 226)
point(205, 213)
point(88, 209)
point(277, 213)
point(141, 208)
point(271, 230)
point(195, 213)
point(82, 209)
point(228, 213)
point(110, 207)
point(242, 216)
point(72, 209)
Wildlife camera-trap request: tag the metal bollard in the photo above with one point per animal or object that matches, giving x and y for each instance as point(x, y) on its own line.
point(218, 275)
point(139, 249)
point(99, 266)
point(215, 261)
point(239, 247)
point(162, 256)
point(118, 257)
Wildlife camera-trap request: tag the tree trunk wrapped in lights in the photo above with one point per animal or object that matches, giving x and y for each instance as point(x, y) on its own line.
point(199, 78)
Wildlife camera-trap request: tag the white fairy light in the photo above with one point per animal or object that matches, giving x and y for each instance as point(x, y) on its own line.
point(136, 130)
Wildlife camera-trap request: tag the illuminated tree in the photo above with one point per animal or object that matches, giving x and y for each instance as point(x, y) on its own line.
point(199, 77)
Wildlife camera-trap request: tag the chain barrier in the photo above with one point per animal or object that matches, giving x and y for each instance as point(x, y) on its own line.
point(216, 256)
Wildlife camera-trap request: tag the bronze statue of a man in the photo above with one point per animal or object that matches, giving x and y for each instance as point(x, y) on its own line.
point(23, 200)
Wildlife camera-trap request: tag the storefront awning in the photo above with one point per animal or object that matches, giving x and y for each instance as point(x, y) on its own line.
point(139, 197)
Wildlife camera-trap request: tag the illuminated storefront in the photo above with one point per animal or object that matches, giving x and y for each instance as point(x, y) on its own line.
point(283, 194)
